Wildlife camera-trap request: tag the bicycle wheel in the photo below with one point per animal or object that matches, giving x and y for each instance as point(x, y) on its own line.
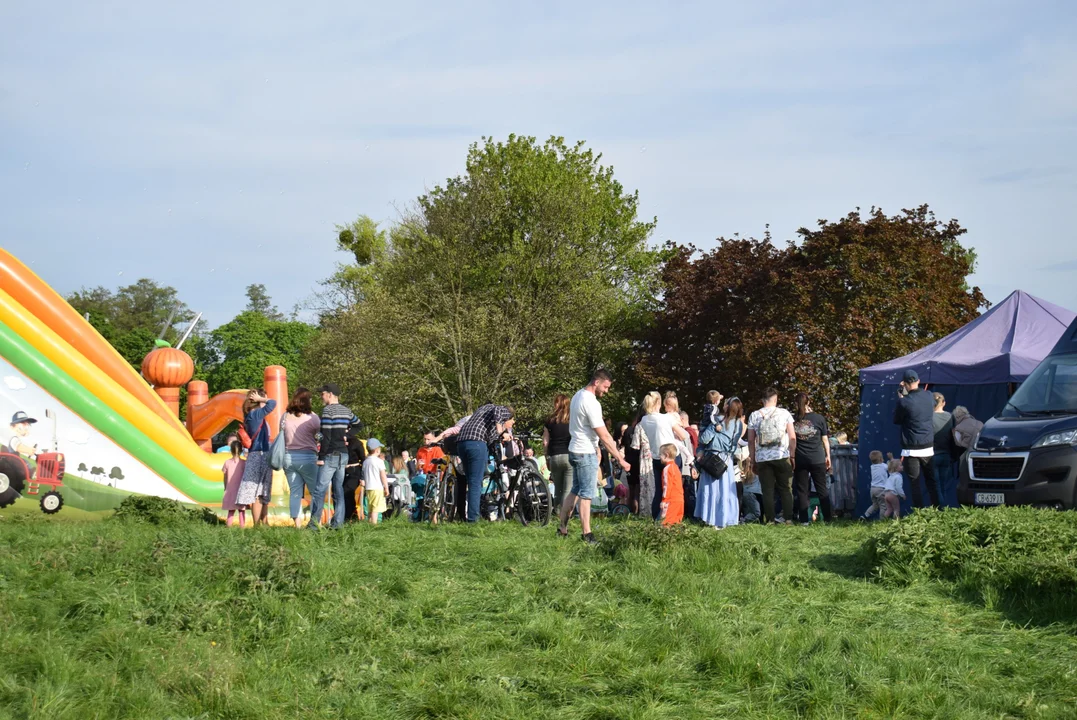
point(533, 500)
point(447, 504)
point(431, 499)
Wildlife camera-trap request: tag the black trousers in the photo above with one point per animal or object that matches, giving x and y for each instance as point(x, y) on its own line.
point(913, 467)
point(351, 484)
point(686, 483)
point(689, 493)
point(805, 476)
point(656, 503)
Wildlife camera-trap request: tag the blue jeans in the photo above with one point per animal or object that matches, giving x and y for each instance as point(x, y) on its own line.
point(331, 472)
point(301, 470)
point(474, 454)
point(584, 475)
point(944, 474)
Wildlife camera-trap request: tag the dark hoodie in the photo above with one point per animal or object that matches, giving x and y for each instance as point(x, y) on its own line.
point(914, 414)
point(356, 456)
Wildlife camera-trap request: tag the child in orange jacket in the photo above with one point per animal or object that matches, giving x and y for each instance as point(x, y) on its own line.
point(672, 511)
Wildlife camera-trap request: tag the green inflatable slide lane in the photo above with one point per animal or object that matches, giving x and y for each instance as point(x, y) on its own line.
point(91, 409)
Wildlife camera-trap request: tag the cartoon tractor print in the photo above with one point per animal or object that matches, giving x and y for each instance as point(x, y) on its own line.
point(41, 476)
point(17, 480)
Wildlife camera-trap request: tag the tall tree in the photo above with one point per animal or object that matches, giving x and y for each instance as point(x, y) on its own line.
point(236, 354)
point(132, 317)
point(365, 242)
point(507, 283)
point(258, 301)
point(854, 292)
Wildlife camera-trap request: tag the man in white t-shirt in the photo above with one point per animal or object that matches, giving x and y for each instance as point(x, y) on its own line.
point(772, 446)
point(586, 429)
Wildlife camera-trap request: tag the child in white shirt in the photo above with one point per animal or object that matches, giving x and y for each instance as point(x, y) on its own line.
point(375, 481)
point(878, 485)
point(895, 488)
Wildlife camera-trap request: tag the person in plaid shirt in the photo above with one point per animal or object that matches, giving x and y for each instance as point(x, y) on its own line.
point(481, 430)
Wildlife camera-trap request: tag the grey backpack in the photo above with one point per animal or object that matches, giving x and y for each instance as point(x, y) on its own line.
point(771, 429)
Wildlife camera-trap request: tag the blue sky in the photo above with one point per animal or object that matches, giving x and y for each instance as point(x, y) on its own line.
point(210, 147)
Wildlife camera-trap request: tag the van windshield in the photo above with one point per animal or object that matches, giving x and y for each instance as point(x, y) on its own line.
point(1051, 389)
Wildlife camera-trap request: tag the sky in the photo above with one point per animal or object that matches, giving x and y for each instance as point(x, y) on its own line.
point(213, 145)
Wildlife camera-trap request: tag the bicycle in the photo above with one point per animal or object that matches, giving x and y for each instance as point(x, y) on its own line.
point(439, 498)
point(515, 488)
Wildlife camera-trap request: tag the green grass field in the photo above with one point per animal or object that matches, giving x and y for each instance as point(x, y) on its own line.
point(125, 620)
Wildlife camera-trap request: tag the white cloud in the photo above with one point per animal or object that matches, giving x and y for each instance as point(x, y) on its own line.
point(14, 382)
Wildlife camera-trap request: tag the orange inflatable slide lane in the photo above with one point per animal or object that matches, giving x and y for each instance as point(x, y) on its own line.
point(207, 416)
point(21, 283)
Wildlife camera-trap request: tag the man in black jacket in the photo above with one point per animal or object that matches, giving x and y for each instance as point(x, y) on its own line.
point(914, 411)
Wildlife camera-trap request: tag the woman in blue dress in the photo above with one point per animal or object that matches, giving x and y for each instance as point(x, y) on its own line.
point(716, 499)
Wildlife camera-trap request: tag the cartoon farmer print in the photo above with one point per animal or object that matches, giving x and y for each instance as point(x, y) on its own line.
point(21, 443)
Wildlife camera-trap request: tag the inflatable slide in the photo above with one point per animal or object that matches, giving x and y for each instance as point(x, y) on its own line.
point(86, 429)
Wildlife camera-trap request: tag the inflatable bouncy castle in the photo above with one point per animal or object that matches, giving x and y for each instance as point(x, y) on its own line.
point(86, 429)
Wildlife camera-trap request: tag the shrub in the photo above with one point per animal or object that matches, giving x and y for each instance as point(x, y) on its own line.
point(652, 538)
point(1021, 553)
point(161, 511)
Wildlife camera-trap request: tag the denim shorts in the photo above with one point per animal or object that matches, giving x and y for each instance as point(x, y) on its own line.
point(584, 475)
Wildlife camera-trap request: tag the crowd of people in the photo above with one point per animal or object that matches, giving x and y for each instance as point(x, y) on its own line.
point(771, 465)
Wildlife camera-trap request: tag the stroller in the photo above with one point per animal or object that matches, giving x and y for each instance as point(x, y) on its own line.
point(418, 494)
point(399, 497)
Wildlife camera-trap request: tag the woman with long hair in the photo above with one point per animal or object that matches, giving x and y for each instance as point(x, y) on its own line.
point(555, 440)
point(660, 429)
point(720, 433)
point(257, 483)
point(685, 450)
point(812, 457)
point(301, 427)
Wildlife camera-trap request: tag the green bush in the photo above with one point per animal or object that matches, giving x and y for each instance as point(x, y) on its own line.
point(647, 537)
point(1025, 554)
point(161, 511)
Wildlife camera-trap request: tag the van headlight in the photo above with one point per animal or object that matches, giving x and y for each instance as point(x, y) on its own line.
point(1063, 437)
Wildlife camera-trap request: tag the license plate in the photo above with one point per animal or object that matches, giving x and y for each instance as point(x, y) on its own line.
point(989, 498)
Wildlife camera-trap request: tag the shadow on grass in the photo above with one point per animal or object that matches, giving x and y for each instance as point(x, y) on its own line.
point(1038, 607)
point(852, 566)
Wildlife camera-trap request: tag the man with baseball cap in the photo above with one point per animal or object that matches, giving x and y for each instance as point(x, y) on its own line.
point(915, 414)
point(332, 455)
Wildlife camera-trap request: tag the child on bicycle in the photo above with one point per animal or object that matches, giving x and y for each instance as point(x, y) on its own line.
point(672, 506)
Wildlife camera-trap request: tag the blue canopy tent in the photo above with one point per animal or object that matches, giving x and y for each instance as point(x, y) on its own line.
point(973, 366)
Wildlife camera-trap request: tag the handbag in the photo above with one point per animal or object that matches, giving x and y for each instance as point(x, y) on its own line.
point(278, 450)
point(712, 464)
